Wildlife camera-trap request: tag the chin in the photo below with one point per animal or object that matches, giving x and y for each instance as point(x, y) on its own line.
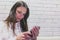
point(18, 20)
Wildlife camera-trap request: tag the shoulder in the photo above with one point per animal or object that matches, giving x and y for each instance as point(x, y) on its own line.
point(4, 33)
point(2, 25)
point(3, 28)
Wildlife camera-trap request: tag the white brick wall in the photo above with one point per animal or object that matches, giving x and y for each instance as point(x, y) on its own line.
point(44, 13)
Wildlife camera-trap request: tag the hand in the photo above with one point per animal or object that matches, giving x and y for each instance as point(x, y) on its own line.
point(24, 36)
point(35, 32)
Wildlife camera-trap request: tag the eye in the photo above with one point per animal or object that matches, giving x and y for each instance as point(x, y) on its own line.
point(23, 14)
point(19, 12)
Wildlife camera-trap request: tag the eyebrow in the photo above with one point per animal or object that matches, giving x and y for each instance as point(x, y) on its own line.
point(20, 12)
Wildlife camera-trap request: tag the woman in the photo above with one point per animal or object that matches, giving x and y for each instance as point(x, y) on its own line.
point(15, 26)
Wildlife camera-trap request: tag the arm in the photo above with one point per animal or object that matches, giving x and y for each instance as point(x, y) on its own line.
point(4, 35)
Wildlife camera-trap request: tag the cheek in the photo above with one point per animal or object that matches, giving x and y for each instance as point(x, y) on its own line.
point(20, 16)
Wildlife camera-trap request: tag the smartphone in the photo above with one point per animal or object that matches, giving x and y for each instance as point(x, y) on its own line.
point(31, 31)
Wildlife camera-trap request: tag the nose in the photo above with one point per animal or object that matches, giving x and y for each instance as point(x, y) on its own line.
point(21, 15)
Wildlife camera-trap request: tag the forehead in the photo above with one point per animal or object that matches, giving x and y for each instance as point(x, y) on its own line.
point(21, 9)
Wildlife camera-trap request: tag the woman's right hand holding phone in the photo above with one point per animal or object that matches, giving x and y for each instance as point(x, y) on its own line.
point(29, 35)
point(35, 32)
point(24, 36)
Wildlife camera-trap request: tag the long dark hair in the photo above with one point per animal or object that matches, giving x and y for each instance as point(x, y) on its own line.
point(12, 19)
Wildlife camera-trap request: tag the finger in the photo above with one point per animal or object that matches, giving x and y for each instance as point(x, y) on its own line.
point(36, 31)
point(25, 33)
point(33, 33)
point(23, 39)
point(23, 36)
point(37, 27)
point(28, 35)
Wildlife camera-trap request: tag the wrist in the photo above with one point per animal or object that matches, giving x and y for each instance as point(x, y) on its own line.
point(34, 38)
point(17, 38)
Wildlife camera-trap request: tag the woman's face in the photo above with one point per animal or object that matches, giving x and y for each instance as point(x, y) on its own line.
point(20, 12)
